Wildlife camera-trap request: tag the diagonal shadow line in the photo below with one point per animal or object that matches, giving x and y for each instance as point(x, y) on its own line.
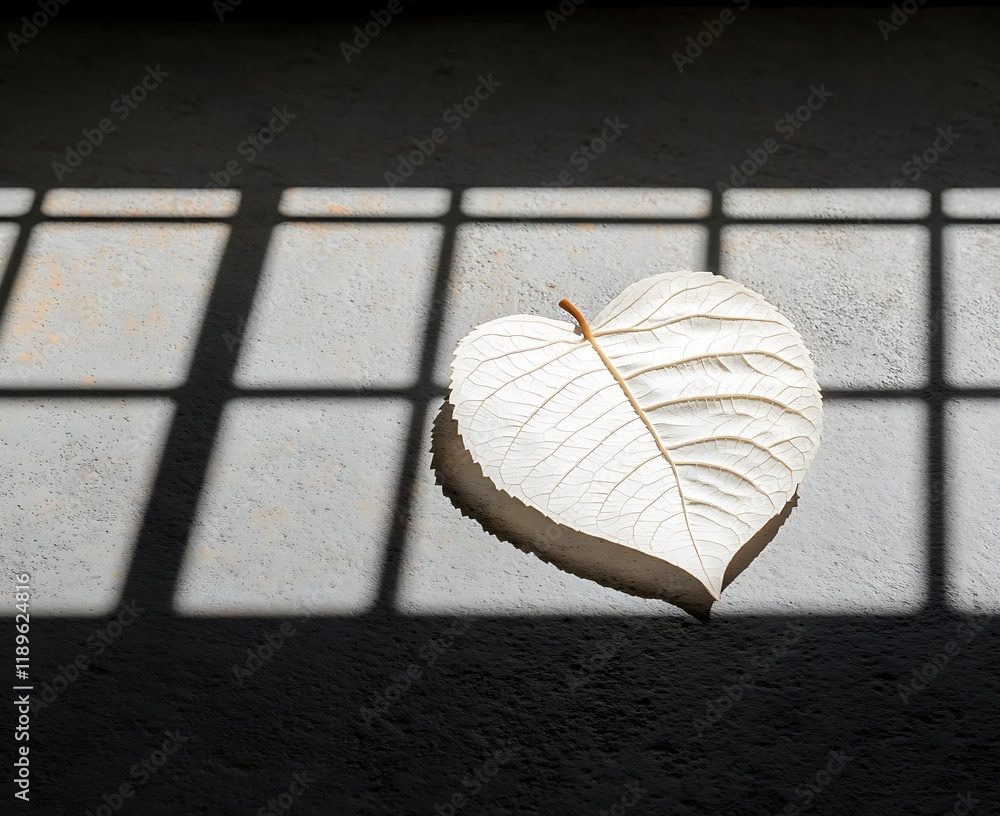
point(426, 392)
point(173, 501)
point(26, 226)
point(937, 400)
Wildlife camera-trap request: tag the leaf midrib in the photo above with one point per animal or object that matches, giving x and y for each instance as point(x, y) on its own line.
point(652, 432)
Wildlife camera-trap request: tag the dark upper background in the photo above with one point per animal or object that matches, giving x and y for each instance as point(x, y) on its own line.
point(298, 9)
point(557, 88)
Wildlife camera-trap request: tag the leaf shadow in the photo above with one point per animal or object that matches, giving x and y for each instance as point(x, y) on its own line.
point(595, 559)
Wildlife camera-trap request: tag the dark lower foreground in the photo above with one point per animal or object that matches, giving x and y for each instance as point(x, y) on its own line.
point(515, 716)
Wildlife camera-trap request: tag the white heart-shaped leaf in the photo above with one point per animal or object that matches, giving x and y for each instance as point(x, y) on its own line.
point(678, 422)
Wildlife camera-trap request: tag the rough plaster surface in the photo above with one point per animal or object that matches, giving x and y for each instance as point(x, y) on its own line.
point(378, 275)
point(869, 330)
point(972, 477)
point(833, 204)
point(274, 534)
point(108, 304)
point(972, 308)
point(77, 476)
point(16, 201)
point(588, 202)
point(364, 201)
point(480, 647)
point(119, 202)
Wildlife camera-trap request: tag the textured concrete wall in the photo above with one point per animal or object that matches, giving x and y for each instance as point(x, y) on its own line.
point(222, 415)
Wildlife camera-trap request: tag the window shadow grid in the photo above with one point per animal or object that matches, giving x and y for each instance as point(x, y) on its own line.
point(160, 547)
point(423, 394)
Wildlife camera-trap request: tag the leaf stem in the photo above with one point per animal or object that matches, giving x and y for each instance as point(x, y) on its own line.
point(567, 305)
